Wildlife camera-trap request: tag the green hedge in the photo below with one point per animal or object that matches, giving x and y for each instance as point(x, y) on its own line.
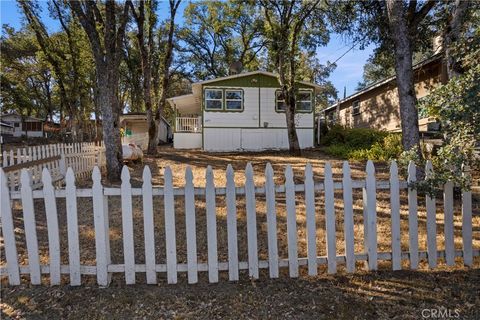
point(362, 144)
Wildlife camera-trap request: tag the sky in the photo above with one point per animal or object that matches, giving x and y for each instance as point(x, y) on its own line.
point(348, 73)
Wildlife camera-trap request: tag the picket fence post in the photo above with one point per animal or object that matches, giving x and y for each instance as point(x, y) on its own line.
point(251, 222)
point(211, 226)
point(431, 221)
point(371, 216)
point(291, 223)
point(30, 227)
point(467, 238)
point(8, 231)
point(271, 222)
point(412, 216)
point(101, 230)
point(190, 227)
point(72, 227)
point(311, 226)
point(232, 225)
point(330, 220)
point(148, 226)
point(395, 217)
point(348, 218)
point(448, 223)
point(52, 226)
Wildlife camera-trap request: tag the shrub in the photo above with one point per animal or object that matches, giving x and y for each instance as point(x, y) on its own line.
point(339, 150)
point(354, 138)
point(362, 144)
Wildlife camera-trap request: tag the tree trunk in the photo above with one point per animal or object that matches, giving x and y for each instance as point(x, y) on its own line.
point(294, 145)
point(107, 97)
point(404, 74)
point(454, 69)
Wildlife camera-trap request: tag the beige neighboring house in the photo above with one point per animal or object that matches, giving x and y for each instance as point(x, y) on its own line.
point(377, 106)
point(135, 129)
point(23, 125)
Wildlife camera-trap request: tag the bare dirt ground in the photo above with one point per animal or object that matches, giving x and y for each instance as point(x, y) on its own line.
point(363, 295)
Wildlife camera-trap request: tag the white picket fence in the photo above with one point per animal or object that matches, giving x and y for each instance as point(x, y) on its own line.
point(310, 189)
point(81, 157)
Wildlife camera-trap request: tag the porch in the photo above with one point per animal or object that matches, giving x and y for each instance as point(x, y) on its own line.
point(188, 132)
point(188, 120)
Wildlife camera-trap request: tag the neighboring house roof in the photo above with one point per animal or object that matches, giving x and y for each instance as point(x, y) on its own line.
point(190, 103)
point(19, 117)
point(137, 116)
point(3, 124)
point(385, 81)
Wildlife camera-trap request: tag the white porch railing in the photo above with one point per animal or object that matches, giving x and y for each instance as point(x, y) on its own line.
point(188, 124)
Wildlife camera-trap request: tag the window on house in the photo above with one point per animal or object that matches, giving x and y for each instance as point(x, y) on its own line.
point(304, 101)
point(234, 100)
point(32, 126)
point(17, 124)
point(280, 105)
point(355, 107)
point(213, 99)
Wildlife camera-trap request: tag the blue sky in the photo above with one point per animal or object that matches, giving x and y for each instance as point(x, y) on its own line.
point(347, 74)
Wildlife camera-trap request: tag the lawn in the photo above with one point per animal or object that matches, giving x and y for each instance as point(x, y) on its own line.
point(364, 295)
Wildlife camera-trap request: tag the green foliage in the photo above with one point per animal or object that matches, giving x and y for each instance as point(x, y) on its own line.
point(354, 138)
point(362, 144)
point(387, 149)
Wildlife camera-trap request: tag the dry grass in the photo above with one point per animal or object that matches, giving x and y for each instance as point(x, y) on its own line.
point(178, 160)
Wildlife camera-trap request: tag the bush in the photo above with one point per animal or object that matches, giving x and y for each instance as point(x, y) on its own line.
point(389, 148)
point(339, 150)
point(354, 138)
point(362, 144)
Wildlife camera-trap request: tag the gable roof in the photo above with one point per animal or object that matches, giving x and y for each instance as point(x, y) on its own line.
point(251, 73)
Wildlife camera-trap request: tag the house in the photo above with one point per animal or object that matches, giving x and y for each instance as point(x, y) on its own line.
point(378, 107)
point(135, 129)
point(241, 112)
point(23, 125)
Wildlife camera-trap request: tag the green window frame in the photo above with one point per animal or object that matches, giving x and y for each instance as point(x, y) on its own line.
point(302, 101)
point(280, 105)
point(215, 101)
point(232, 100)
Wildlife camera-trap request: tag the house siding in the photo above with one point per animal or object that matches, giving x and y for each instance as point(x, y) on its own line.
point(379, 107)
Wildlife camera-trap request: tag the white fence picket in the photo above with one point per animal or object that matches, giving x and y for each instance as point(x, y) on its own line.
point(251, 222)
point(431, 222)
point(30, 227)
point(371, 215)
point(467, 222)
point(170, 235)
point(311, 225)
point(330, 220)
point(211, 226)
point(395, 217)
point(101, 230)
point(148, 226)
point(291, 223)
point(127, 227)
point(448, 223)
point(72, 226)
point(8, 231)
point(412, 216)
point(348, 218)
point(52, 227)
point(271, 222)
point(232, 225)
point(190, 224)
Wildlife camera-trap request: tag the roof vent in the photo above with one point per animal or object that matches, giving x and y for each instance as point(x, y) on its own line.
point(235, 68)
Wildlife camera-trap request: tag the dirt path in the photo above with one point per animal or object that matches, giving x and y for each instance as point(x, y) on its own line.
point(382, 295)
